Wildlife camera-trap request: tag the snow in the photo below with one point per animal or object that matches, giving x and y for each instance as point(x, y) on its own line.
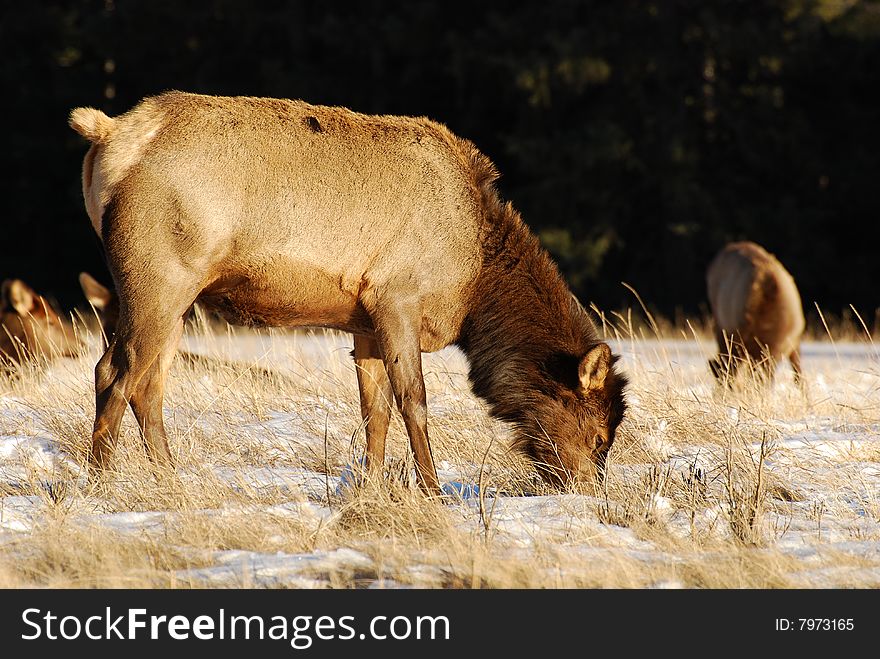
point(830, 532)
point(17, 513)
point(255, 569)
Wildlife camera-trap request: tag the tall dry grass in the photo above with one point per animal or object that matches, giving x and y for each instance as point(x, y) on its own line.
point(702, 490)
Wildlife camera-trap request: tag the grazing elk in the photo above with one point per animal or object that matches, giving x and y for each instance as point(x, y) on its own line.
point(30, 329)
point(277, 212)
point(756, 309)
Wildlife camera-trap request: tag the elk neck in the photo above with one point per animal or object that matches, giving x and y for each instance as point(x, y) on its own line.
point(521, 318)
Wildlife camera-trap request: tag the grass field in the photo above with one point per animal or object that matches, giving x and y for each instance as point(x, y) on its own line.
point(754, 488)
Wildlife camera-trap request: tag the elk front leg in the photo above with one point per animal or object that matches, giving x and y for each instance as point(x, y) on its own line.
point(397, 333)
point(376, 399)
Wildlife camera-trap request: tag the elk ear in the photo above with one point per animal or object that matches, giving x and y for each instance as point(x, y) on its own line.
point(19, 296)
point(99, 296)
point(593, 368)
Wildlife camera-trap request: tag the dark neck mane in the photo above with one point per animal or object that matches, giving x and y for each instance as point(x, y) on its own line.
point(523, 327)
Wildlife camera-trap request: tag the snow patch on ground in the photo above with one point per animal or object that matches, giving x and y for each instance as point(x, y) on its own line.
point(824, 513)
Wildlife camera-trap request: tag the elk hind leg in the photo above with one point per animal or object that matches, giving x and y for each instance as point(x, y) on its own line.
point(146, 401)
point(795, 359)
point(137, 344)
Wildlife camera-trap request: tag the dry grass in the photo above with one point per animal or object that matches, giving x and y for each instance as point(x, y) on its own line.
point(705, 488)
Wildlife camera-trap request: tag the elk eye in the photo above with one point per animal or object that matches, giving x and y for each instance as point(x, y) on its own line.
point(597, 441)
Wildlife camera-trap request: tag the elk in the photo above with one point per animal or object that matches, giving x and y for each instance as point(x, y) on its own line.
point(757, 312)
point(30, 329)
point(280, 213)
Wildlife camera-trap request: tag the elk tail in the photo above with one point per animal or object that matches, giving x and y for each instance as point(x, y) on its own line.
point(92, 124)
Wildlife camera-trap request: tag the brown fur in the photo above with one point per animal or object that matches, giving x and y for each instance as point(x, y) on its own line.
point(30, 329)
point(278, 212)
point(531, 345)
point(756, 309)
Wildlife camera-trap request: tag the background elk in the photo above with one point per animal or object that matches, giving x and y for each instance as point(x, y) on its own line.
point(103, 301)
point(756, 309)
point(277, 212)
point(30, 329)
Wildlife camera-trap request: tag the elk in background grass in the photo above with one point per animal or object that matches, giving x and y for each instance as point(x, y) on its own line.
point(757, 312)
point(30, 329)
point(105, 303)
point(281, 213)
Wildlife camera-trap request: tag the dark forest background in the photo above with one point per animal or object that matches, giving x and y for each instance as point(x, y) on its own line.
point(636, 138)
